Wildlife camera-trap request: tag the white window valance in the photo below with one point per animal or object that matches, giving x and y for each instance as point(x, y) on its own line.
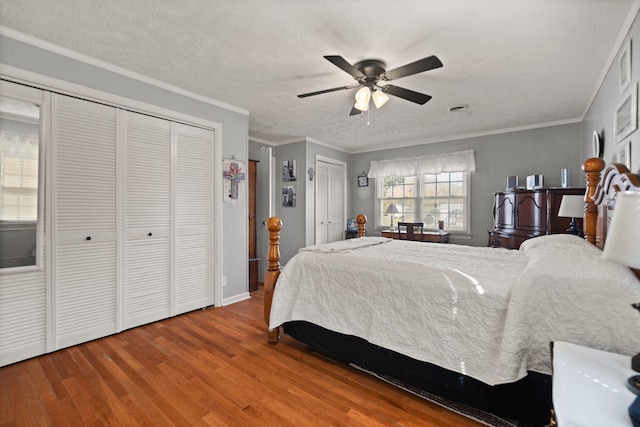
point(459, 161)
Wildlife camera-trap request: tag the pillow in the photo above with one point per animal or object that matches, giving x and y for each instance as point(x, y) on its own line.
point(554, 241)
point(569, 256)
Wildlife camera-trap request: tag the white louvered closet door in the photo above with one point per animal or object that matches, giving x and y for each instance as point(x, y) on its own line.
point(193, 218)
point(147, 253)
point(84, 220)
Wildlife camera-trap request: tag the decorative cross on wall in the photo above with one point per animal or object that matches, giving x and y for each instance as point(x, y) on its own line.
point(235, 175)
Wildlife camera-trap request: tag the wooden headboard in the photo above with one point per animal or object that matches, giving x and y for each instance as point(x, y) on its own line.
point(600, 197)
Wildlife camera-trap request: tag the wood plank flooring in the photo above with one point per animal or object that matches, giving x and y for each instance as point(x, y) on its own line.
point(209, 367)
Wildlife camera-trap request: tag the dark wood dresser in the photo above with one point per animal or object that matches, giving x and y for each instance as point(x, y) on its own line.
point(522, 214)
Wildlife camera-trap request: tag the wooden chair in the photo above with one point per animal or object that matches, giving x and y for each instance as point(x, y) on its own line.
point(413, 230)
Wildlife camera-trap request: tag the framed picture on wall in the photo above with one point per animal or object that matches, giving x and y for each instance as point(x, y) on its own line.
point(289, 196)
point(625, 120)
point(624, 66)
point(624, 154)
point(289, 170)
point(363, 181)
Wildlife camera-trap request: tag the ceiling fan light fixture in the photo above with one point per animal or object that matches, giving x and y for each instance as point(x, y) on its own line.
point(363, 94)
point(361, 105)
point(379, 98)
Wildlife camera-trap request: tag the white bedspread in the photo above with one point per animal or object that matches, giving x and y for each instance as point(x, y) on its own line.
point(487, 313)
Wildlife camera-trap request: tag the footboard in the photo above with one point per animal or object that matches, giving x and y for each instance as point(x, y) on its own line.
point(274, 225)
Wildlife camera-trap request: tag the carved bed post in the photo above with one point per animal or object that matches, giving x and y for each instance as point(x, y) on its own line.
point(361, 220)
point(592, 168)
point(274, 225)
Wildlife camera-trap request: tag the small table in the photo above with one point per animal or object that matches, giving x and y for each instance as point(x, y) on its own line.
point(427, 236)
point(590, 387)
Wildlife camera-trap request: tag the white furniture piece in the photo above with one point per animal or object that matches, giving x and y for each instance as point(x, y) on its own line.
point(590, 387)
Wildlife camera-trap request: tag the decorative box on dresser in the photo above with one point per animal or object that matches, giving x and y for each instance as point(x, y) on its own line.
point(522, 214)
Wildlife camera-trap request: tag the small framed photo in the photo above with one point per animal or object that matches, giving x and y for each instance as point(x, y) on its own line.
point(624, 154)
point(289, 196)
point(624, 66)
point(363, 181)
point(625, 120)
point(289, 170)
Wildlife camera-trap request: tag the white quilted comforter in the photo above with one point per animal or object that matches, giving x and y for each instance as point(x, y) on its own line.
point(483, 312)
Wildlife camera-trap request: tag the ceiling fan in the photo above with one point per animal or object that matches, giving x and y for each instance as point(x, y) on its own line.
point(369, 72)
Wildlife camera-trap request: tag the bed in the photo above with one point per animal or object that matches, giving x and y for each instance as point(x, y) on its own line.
point(470, 324)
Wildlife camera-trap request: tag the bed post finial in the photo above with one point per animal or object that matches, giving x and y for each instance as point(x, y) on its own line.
point(274, 225)
point(361, 219)
point(592, 168)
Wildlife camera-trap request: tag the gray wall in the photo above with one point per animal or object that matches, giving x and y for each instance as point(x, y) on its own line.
point(292, 236)
point(541, 151)
point(600, 116)
point(234, 135)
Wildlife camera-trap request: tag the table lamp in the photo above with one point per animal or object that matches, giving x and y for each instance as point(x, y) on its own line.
point(391, 210)
point(572, 206)
point(623, 240)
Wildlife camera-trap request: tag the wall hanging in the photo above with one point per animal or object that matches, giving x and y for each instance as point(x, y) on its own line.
point(234, 180)
point(289, 196)
point(289, 170)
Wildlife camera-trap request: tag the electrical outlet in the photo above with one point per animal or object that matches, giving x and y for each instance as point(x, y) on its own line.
point(224, 281)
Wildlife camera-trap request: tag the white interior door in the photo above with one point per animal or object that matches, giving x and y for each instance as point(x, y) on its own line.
point(84, 220)
point(330, 201)
point(147, 252)
point(193, 218)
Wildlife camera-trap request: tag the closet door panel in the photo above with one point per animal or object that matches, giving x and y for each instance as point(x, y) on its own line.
point(336, 203)
point(147, 281)
point(193, 218)
point(322, 203)
point(84, 219)
point(86, 292)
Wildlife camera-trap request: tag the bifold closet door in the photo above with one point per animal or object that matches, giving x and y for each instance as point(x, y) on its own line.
point(84, 220)
point(335, 208)
point(322, 204)
point(147, 205)
point(193, 218)
point(329, 202)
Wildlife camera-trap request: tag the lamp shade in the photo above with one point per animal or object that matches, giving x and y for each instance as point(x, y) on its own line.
point(623, 234)
point(572, 206)
point(363, 95)
point(391, 209)
point(379, 98)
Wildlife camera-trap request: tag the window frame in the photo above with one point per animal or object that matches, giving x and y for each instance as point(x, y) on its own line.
point(42, 100)
point(418, 204)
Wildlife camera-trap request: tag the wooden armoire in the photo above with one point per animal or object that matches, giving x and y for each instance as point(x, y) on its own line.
point(522, 214)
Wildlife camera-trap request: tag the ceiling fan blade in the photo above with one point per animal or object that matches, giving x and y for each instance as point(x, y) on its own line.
point(342, 63)
point(424, 64)
point(304, 95)
point(409, 95)
point(355, 111)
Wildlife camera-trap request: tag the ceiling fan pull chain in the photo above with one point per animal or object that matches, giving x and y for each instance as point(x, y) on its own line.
point(368, 122)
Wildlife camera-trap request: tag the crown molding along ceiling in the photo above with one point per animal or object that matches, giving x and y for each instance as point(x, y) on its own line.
point(511, 65)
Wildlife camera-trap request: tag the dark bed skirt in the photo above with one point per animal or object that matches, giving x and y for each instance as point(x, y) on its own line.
point(527, 400)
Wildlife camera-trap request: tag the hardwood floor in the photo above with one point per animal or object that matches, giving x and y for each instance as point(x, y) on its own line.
point(207, 367)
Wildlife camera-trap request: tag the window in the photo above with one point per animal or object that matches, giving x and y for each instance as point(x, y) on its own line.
point(19, 188)
point(427, 198)
point(19, 166)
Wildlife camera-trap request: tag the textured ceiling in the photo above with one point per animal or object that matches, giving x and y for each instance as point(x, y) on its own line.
point(515, 64)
